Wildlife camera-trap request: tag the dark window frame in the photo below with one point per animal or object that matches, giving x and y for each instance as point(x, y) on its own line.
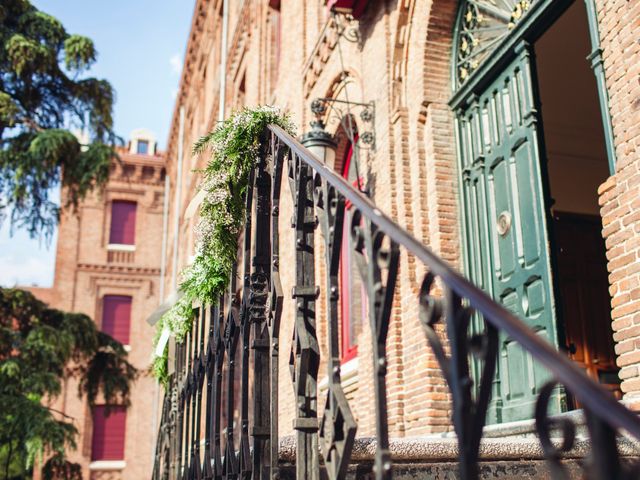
point(147, 145)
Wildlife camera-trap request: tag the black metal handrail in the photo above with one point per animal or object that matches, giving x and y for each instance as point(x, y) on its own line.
point(590, 393)
point(250, 318)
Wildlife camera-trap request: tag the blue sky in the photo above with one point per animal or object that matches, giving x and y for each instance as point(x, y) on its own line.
point(140, 47)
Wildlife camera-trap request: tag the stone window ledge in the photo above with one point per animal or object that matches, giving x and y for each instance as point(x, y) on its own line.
point(107, 465)
point(348, 375)
point(121, 247)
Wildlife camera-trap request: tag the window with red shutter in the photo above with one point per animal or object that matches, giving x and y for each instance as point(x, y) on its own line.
point(353, 299)
point(116, 317)
point(123, 223)
point(107, 442)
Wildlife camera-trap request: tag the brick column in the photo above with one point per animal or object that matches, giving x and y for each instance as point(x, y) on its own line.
point(620, 209)
point(620, 194)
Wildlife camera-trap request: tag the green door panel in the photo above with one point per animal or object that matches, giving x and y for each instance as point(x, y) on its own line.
point(505, 225)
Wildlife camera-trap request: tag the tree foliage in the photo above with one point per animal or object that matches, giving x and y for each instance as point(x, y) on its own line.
point(44, 91)
point(39, 347)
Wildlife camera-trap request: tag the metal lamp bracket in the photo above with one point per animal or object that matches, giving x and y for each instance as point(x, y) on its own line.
point(340, 110)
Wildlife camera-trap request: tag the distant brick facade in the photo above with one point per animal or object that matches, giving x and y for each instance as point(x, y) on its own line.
point(402, 61)
point(88, 268)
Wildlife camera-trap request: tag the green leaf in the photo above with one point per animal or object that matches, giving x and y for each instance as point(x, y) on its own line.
point(44, 90)
point(80, 53)
point(27, 56)
point(9, 110)
point(39, 348)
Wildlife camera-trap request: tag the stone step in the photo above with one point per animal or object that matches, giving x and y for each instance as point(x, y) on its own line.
point(505, 470)
point(507, 451)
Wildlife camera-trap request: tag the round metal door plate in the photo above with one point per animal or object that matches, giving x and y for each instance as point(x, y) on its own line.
point(504, 223)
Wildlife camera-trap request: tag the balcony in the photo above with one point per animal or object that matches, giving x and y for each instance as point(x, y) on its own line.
point(121, 254)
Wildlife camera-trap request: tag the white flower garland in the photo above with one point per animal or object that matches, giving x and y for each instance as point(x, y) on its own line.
point(235, 147)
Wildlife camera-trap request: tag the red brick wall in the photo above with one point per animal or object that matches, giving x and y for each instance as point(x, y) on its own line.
point(402, 61)
point(620, 195)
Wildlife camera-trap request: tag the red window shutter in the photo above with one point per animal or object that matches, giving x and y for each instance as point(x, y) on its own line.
point(354, 7)
point(116, 317)
point(123, 223)
point(349, 346)
point(107, 442)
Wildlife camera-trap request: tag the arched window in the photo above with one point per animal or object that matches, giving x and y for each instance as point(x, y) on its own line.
point(482, 26)
point(353, 298)
point(275, 43)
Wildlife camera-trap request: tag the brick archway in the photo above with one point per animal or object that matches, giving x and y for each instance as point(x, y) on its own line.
point(434, 121)
point(437, 54)
point(424, 170)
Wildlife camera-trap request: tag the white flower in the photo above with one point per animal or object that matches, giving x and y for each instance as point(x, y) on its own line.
point(217, 196)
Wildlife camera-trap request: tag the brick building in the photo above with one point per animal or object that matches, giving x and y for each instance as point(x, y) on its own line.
point(506, 139)
point(108, 266)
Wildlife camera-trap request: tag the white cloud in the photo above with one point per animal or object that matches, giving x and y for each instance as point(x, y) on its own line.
point(26, 261)
point(31, 271)
point(176, 63)
point(174, 93)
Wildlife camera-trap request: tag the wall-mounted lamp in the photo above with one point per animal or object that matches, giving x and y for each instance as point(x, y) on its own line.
point(320, 142)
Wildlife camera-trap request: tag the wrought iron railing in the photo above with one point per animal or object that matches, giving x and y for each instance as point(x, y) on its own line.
point(238, 411)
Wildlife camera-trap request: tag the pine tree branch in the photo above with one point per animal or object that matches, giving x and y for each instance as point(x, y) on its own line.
point(32, 124)
point(7, 465)
point(60, 413)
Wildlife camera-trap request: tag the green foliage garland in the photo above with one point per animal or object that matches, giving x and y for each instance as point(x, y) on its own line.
point(235, 146)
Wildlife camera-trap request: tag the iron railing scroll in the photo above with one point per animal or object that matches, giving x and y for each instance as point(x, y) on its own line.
point(220, 413)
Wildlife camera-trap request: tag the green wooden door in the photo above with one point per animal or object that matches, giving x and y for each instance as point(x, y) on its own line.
point(505, 225)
